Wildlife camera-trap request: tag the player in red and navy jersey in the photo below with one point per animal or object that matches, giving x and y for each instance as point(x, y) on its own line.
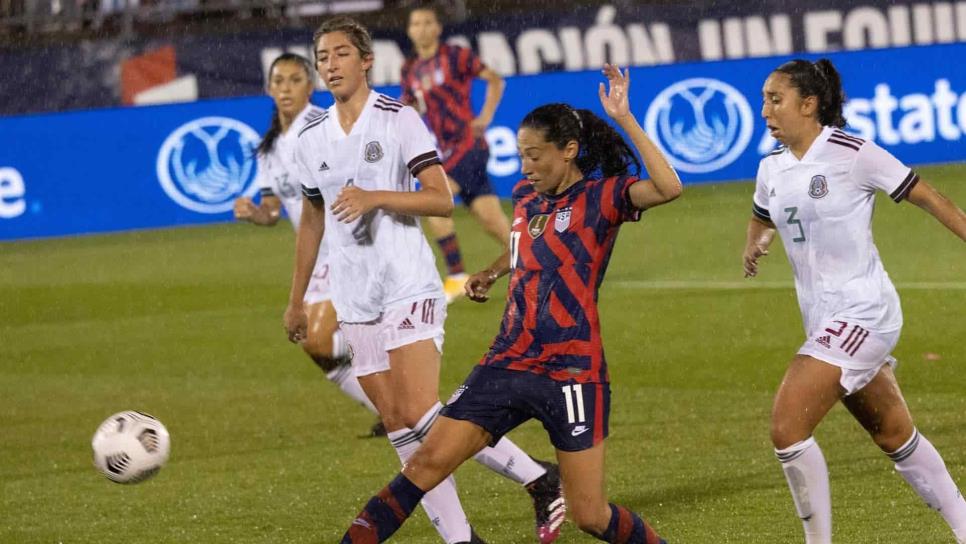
point(436, 80)
point(547, 362)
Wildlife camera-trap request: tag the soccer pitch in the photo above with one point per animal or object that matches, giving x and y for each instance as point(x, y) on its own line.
point(185, 324)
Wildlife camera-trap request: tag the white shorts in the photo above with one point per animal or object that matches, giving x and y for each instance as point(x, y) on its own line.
point(859, 352)
point(397, 326)
point(318, 290)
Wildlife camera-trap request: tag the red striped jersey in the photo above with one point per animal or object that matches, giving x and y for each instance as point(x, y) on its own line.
point(559, 251)
point(439, 87)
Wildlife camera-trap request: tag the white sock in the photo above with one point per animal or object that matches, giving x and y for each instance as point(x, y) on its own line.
point(504, 458)
point(340, 348)
point(508, 459)
point(442, 504)
point(922, 467)
point(807, 475)
point(345, 378)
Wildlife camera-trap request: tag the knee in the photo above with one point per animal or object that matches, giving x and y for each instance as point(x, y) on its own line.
point(784, 435)
point(890, 436)
point(592, 520)
point(319, 349)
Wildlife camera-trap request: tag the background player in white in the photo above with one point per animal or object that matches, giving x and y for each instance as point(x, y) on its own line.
point(360, 159)
point(818, 192)
point(290, 85)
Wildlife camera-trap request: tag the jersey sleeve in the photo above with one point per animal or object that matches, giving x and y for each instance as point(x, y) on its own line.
point(468, 64)
point(310, 188)
point(759, 204)
point(616, 204)
point(418, 150)
point(876, 168)
point(262, 180)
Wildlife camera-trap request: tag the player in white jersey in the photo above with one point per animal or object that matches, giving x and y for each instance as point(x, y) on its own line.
point(817, 192)
point(290, 86)
point(358, 165)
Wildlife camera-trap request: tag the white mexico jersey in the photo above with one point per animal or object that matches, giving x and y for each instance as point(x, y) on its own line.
point(381, 259)
point(278, 174)
point(822, 206)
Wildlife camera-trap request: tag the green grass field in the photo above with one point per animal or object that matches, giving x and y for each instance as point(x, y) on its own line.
point(186, 324)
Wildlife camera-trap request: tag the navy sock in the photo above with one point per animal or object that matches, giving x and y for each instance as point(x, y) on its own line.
point(451, 250)
point(626, 527)
point(385, 512)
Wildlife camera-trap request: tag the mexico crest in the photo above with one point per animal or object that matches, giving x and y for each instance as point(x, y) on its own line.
point(373, 152)
point(537, 224)
point(818, 187)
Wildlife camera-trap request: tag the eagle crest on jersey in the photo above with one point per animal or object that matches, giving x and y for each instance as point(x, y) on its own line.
point(373, 152)
point(538, 224)
point(818, 187)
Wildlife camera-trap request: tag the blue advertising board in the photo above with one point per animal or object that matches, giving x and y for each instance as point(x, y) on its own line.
point(128, 168)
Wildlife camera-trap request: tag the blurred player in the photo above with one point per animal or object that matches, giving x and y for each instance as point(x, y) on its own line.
point(290, 86)
point(547, 361)
point(818, 192)
point(436, 80)
point(359, 162)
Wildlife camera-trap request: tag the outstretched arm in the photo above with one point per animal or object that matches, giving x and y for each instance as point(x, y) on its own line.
point(759, 238)
point(946, 211)
point(664, 185)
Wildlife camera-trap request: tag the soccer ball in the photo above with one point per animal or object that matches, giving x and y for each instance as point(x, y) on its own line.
point(130, 447)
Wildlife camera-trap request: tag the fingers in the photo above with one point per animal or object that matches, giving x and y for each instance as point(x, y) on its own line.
point(601, 92)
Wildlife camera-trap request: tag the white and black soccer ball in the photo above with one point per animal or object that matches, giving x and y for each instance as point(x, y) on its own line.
point(130, 447)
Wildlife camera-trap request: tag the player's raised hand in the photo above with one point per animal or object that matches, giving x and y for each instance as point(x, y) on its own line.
point(244, 209)
point(615, 99)
point(296, 324)
point(478, 286)
point(352, 203)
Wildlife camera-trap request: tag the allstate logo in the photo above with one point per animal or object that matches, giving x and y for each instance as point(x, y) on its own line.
point(701, 124)
point(204, 164)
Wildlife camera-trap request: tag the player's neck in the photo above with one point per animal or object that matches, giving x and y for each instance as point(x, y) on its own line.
point(350, 107)
point(572, 177)
point(285, 121)
point(428, 52)
point(804, 142)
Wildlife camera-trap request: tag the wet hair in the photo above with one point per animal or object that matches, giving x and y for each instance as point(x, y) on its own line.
point(602, 150)
point(431, 7)
point(357, 34)
point(275, 128)
point(819, 79)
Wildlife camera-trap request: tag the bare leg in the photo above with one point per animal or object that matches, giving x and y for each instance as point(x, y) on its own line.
point(490, 216)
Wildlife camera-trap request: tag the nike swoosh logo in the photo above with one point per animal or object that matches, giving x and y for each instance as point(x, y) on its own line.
point(579, 431)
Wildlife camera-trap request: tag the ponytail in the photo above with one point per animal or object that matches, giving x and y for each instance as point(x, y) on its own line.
point(821, 80)
point(275, 128)
point(602, 150)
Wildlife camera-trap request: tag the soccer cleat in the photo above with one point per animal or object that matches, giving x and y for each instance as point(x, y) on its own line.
point(453, 286)
point(548, 503)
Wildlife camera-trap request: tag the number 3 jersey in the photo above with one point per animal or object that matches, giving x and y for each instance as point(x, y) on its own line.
point(278, 175)
point(822, 206)
point(560, 246)
point(382, 258)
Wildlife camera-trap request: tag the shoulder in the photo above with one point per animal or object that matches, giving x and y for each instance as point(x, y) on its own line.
point(522, 189)
point(388, 104)
point(318, 117)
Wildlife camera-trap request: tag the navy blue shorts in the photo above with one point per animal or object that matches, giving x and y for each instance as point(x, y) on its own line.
point(470, 174)
point(575, 415)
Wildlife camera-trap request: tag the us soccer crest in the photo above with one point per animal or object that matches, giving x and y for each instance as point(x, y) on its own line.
point(562, 220)
point(818, 187)
point(373, 152)
point(538, 223)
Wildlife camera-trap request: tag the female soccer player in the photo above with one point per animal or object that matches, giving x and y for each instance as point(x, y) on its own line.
point(547, 362)
point(290, 86)
point(360, 158)
point(818, 192)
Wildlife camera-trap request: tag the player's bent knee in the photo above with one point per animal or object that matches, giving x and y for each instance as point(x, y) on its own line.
point(590, 520)
point(891, 436)
point(784, 435)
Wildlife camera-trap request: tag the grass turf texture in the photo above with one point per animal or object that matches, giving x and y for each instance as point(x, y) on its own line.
point(185, 324)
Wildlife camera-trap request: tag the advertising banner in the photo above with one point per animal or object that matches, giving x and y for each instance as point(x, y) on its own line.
point(127, 168)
